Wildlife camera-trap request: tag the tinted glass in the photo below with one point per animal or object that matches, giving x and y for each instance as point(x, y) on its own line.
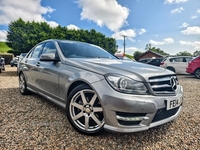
point(36, 52)
point(23, 54)
point(188, 59)
point(83, 50)
point(180, 59)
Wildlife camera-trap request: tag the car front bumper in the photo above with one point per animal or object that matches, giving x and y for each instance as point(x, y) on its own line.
point(132, 113)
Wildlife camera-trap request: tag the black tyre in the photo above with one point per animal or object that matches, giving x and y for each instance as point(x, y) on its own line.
point(22, 85)
point(197, 73)
point(84, 110)
point(0, 70)
point(171, 68)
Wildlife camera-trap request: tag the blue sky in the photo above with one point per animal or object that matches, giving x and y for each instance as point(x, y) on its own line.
point(171, 25)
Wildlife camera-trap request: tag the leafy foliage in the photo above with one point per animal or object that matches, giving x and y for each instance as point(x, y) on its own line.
point(137, 54)
point(155, 49)
point(22, 36)
point(196, 53)
point(185, 53)
point(129, 56)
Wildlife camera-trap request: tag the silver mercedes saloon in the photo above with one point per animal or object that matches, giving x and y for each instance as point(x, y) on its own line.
point(98, 90)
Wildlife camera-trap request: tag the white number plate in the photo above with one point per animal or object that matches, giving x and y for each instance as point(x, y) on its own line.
point(174, 103)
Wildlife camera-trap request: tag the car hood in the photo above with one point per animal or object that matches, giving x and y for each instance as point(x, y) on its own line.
point(134, 70)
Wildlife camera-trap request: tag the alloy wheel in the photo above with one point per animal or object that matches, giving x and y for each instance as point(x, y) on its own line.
point(197, 73)
point(86, 113)
point(22, 85)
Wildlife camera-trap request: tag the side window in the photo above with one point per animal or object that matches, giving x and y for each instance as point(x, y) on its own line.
point(36, 52)
point(29, 54)
point(180, 59)
point(176, 59)
point(49, 48)
point(184, 59)
point(188, 59)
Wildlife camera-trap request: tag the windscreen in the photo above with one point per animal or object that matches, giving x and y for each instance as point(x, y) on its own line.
point(83, 50)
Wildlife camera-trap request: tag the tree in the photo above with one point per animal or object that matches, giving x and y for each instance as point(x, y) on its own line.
point(148, 47)
point(196, 53)
point(22, 36)
point(185, 53)
point(136, 54)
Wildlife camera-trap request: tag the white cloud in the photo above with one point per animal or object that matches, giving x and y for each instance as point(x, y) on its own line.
point(104, 12)
point(198, 11)
point(191, 30)
point(3, 34)
point(11, 10)
point(168, 40)
point(164, 42)
point(184, 25)
point(195, 44)
point(177, 10)
point(130, 34)
point(193, 16)
point(174, 1)
point(141, 31)
point(129, 50)
point(52, 24)
point(72, 27)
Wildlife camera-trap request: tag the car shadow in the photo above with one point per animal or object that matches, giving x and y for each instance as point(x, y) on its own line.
point(8, 73)
point(188, 76)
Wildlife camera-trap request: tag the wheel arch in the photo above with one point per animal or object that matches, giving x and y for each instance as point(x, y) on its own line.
point(75, 84)
point(168, 67)
point(195, 72)
point(196, 69)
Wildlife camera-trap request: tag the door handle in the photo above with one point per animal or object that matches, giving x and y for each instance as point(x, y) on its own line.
point(38, 64)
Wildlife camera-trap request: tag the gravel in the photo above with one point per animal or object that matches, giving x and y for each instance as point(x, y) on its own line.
point(31, 122)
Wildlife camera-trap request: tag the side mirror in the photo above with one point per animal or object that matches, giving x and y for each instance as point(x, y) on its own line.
point(48, 57)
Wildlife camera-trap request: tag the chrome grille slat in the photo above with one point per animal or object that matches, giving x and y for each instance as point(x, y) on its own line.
point(159, 80)
point(164, 92)
point(162, 84)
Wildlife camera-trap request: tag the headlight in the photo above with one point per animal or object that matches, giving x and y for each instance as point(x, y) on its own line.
point(126, 85)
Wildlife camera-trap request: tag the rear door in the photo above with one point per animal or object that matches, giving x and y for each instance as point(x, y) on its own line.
point(30, 66)
point(180, 64)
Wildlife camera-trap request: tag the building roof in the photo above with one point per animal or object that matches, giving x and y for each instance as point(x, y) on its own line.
point(154, 53)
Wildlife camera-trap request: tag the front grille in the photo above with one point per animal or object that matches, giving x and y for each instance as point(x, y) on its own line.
point(163, 85)
point(164, 114)
point(129, 119)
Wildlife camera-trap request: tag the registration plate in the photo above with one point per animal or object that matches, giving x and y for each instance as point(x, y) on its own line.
point(174, 103)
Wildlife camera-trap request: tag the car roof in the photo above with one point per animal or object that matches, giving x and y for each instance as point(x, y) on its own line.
point(177, 56)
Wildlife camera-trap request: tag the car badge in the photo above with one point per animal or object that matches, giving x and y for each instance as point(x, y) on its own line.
point(173, 83)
